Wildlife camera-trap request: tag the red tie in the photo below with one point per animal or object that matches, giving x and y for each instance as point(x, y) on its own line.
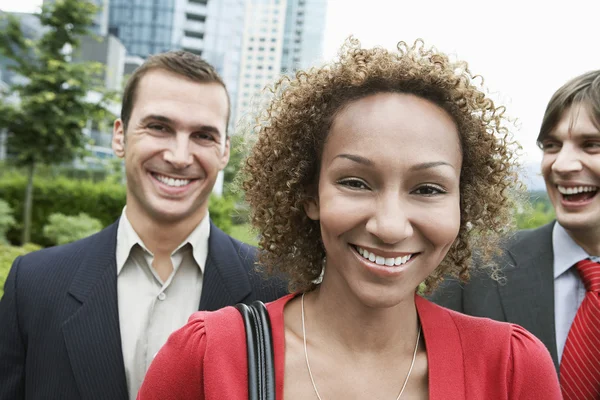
point(580, 363)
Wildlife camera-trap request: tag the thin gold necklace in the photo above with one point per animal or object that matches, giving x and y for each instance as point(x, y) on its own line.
point(412, 364)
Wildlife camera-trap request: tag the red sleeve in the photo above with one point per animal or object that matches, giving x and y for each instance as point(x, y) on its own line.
point(177, 370)
point(531, 372)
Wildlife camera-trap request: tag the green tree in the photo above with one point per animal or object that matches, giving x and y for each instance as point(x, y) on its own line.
point(45, 112)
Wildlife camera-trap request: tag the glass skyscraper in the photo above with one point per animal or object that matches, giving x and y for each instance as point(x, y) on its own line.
point(144, 27)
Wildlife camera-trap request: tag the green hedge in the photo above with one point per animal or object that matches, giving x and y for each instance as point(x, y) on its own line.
point(101, 200)
point(8, 255)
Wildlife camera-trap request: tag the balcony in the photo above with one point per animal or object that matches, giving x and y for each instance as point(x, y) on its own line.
point(198, 9)
point(194, 26)
point(192, 43)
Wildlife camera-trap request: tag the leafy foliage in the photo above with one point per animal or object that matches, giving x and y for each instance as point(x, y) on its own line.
point(6, 220)
point(103, 201)
point(45, 112)
point(220, 210)
point(535, 213)
point(237, 155)
point(63, 229)
point(7, 257)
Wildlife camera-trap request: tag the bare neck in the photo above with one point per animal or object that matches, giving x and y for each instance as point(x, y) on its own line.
point(162, 237)
point(341, 316)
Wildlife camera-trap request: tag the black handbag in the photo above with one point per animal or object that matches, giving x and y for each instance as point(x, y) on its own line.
point(261, 368)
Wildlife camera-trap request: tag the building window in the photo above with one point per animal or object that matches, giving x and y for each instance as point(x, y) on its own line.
point(195, 17)
point(194, 34)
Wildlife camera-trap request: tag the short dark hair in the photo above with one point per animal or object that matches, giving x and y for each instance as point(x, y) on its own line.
point(179, 62)
point(583, 89)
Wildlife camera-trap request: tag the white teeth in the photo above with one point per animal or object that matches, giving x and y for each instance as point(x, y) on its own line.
point(172, 182)
point(379, 260)
point(576, 190)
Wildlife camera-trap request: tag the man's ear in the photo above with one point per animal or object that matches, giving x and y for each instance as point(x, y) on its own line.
point(226, 154)
point(118, 138)
point(311, 208)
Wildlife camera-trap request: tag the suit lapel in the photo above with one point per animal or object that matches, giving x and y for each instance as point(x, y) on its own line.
point(226, 279)
point(92, 333)
point(528, 298)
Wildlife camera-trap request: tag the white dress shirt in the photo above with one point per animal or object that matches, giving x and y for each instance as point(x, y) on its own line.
point(569, 290)
point(150, 309)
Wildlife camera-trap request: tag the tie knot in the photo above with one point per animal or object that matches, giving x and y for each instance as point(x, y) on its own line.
point(590, 274)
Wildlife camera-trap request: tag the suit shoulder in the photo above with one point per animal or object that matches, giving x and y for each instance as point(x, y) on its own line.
point(527, 235)
point(244, 250)
point(64, 256)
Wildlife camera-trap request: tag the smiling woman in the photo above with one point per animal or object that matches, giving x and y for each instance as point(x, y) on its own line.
point(369, 176)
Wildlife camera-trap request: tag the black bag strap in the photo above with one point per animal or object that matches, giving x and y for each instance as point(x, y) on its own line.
point(261, 369)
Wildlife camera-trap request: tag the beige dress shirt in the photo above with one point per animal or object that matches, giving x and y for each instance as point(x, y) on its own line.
point(150, 309)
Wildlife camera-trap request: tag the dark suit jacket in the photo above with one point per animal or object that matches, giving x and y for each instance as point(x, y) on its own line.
point(525, 295)
point(59, 318)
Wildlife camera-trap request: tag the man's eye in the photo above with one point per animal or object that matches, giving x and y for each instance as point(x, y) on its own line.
point(203, 136)
point(549, 146)
point(354, 183)
point(429, 190)
point(156, 127)
point(593, 145)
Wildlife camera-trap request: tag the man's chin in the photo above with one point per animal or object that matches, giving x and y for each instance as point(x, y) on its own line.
point(175, 213)
point(578, 222)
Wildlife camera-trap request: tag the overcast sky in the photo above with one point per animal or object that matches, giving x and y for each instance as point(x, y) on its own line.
point(525, 50)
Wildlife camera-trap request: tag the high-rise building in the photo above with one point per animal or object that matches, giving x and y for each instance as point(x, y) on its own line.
point(303, 34)
point(210, 28)
point(262, 49)
point(280, 37)
point(144, 27)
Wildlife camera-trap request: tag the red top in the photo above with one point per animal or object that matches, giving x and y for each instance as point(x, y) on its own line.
point(468, 358)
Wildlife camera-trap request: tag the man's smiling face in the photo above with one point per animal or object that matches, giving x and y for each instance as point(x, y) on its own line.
point(174, 146)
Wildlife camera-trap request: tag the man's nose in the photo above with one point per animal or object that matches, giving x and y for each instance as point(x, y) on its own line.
point(567, 160)
point(178, 154)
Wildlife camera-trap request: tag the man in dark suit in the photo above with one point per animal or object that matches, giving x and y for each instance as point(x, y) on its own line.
point(84, 320)
point(546, 285)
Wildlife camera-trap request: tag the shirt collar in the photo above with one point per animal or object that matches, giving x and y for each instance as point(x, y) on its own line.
point(127, 238)
point(566, 252)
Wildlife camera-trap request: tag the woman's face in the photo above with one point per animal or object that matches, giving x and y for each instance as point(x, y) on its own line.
point(388, 196)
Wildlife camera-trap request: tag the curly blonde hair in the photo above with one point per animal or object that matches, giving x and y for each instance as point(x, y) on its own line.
point(282, 170)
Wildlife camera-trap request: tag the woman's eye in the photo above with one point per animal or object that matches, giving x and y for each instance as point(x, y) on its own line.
point(429, 190)
point(354, 183)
